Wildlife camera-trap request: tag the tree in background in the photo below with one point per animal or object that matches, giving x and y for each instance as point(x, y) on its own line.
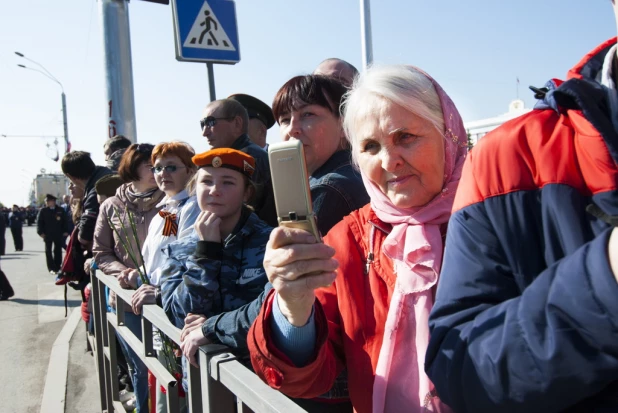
point(470, 143)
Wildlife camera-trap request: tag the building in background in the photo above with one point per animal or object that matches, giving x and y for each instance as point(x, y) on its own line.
point(479, 128)
point(44, 183)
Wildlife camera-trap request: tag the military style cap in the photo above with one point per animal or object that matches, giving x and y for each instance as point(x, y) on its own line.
point(256, 108)
point(226, 158)
point(108, 185)
point(50, 197)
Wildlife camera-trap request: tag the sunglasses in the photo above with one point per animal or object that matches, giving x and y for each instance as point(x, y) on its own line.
point(211, 121)
point(169, 168)
point(144, 147)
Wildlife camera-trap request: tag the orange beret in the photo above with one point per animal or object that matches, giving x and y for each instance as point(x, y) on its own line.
point(226, 158)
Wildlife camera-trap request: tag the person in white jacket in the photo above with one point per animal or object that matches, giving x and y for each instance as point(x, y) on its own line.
point(173, 169)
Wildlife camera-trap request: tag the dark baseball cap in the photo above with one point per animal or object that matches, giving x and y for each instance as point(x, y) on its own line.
point(255, 108)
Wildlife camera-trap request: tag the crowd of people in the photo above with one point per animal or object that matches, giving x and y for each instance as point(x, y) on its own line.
point(446, 280)
point(52, 227)
point(14, 219)
point(189, 231)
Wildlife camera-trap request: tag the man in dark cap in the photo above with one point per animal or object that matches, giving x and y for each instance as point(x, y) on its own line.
point(261, 118)
point(52, 225)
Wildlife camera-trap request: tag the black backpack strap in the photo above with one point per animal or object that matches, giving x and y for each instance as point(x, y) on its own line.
point(597, 212)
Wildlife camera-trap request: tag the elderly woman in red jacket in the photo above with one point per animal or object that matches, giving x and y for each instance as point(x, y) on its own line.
point(361, 300)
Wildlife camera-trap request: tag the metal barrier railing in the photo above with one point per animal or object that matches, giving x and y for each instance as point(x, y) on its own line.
point(221, 385)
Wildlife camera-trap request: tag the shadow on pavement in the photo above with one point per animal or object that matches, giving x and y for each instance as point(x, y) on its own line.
point(51, 303)
point(16, 256)
point(13, 255)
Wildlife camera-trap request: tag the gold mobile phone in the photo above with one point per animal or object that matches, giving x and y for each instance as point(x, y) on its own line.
point(290, 181)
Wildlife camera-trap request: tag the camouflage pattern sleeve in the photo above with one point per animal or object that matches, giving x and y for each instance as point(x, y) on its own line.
point(188, 284)
point(199, 287)
point(171, 277)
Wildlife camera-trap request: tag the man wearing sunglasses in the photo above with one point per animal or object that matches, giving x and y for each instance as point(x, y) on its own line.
point(225, 124)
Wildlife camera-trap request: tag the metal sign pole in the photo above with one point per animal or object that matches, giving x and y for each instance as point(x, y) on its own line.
point(66, 127)
point(366, 42)
point(211, 81)
point(118, 68)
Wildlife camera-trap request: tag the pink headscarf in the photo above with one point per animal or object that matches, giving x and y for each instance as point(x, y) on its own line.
point(415, 246)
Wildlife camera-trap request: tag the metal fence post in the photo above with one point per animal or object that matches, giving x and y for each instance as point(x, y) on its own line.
point(113, 361)
point(195, 387)
point(216, 398)
point(98, 337)
point(172, 397)
point(241, 407)
point(108, 368)
point(109, 400)
point(147, 338)
point(120, 311)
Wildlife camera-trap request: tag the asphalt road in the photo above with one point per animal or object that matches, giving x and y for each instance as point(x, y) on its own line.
point(82, 384)
point(29, 324)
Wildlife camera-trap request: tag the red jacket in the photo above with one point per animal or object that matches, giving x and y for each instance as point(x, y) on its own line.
point(349, 317)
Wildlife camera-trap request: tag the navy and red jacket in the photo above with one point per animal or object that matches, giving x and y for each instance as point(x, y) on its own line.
point(526, 311)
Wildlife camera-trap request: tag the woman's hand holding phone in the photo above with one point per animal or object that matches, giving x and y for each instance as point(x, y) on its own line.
point(296, 264)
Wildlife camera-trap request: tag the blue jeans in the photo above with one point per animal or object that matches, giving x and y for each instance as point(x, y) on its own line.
point(139, 372)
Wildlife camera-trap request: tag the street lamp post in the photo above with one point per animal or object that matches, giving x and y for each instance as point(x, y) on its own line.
point(118, 68)
point(47, 74)
point(366, 41)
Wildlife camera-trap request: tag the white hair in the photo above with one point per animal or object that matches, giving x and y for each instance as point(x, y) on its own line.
point(402, 85)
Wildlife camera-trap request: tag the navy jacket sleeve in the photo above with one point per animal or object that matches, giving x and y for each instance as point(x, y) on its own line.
point(497, 348)
point(88, 220)
point(40, 222)
point(188, 285)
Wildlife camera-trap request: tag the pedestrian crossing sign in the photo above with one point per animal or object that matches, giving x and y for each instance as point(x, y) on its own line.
point(206, 31)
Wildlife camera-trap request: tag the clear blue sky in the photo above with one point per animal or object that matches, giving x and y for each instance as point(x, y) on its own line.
point(475, 49)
